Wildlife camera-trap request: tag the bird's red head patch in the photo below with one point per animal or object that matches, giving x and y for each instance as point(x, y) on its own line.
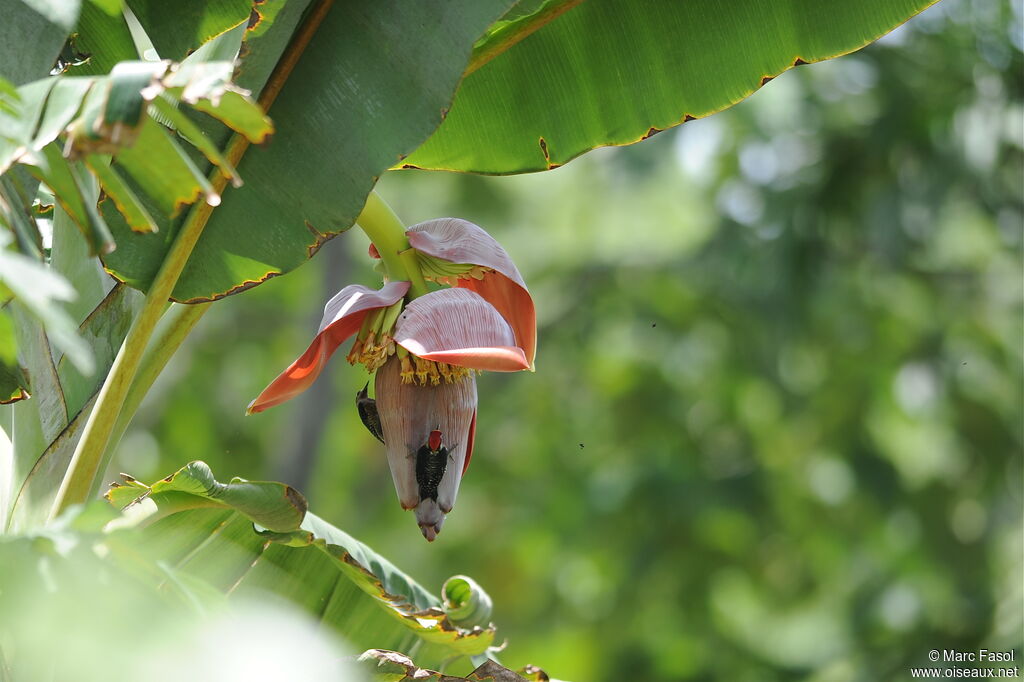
point(434, 441)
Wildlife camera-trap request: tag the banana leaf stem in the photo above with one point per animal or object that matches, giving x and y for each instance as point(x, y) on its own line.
point(171, 331)
point(410, 259)
point(387, 232)
point(92, 454)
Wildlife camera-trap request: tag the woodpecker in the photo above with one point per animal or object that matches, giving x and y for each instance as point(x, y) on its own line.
point(431, 462)
point(368, 413)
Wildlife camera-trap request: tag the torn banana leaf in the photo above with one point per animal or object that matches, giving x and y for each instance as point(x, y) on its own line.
point(392, 666)
point(54, 124)
point(13, 383)
point(250, 537)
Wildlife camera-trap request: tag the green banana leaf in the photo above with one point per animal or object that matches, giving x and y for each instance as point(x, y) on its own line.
point(371, 85)
point(135, 618)
point(63, 387)
point(37, 292)
point(615, 73)
point(39, 470)
point(247, 539)
point(177, 28)
point(110, 115)
point(392, 666)
point(13, 382)
point(546, 83)
point(48, 24)
point(134, 604)
point(103, 39)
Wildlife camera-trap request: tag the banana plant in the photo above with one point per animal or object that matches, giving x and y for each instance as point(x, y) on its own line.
point(157, 157)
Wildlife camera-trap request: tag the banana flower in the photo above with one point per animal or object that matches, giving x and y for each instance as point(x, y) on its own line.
point(425, 353)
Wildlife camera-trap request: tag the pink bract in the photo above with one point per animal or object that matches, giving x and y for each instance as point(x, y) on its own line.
point(460, 241)
point(459, 327)
point(343, 315)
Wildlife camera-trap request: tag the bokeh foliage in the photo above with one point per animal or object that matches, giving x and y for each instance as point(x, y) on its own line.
point(775, 428)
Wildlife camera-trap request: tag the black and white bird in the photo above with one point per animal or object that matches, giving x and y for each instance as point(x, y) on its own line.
point(367, 408)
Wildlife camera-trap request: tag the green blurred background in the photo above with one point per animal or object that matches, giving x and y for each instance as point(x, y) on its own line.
point(775, 430)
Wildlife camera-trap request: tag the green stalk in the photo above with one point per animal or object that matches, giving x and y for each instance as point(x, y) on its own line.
point(391, 314)
point(411, 261)
point(172, 330)
point(387, 233)
point(92, 454)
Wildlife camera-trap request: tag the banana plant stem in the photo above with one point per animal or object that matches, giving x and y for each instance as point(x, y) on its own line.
point(91, 454)
point(387, 232)
point(173, 328)
point(418, 285)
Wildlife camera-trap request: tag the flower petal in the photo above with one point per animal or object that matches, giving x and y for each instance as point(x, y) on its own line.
point(469, 444)
point(459, 327)
point(408, 413)
point(515, 305)
point(343, 315)
point(460, 241)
